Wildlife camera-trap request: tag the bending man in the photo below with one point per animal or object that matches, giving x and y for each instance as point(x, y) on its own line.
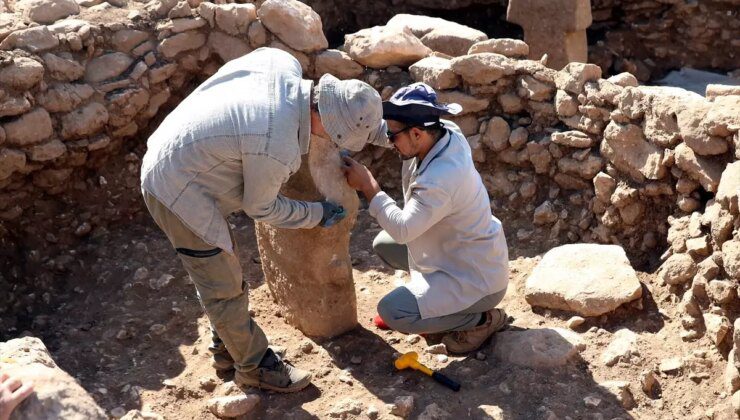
point(230, 146)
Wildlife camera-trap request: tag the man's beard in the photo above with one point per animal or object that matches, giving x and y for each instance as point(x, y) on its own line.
point(404, 157)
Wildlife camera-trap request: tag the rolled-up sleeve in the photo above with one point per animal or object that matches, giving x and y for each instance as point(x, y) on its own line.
point(263, 178)
point(428, 204)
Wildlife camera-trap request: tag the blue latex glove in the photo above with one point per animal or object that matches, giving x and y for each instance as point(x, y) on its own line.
point(332, 214)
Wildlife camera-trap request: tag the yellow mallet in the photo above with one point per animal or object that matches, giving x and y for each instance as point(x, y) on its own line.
point(411, 360)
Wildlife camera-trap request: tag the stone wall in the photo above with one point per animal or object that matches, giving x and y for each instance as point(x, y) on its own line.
point(646, 38)
point(567, 155)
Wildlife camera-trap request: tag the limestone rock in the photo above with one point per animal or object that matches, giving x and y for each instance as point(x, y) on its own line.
point(107, 67)
point(588, 279)
point(337, 63)
point(63, 69)
point(518, 137)
point(47, 151)
point(544, 214)
point(123, 105)
point(573, 138)
point(141, 415)
point(565, 104)
point(622, 348)
point(234, 18)
point(12, 106)
point(731, 258)
point(624, 79)
point(453, 39)
point(402, 406)
point(728, 189)
point(22, 74)
point(678, 269)
point(35, 39)
point(572, 78)
point(537, 348)
point(717, 327)
point(126, 40)
point(604, 186)
point(470, 104)
point(704, 170)
point(257, 34)
point(497, 133)
point(64, 97)
point(46, 11)
point(56, 395)
point(533, 89)
point(11, 161)
point(227, 47)
point(723, 117)
point(434, 412)
point(721, 291)
point(690, 117)
point(30, 128)
point(185, 41)
point(381, 47)
point(484, 68)
point(346, 408)
point(436, 72)
point(295, 23)
point(504, 46)
point(84, 121)
point(586, 168)
point(621, 391)
point(318, 298)
point(233, 406)
point(625, 147)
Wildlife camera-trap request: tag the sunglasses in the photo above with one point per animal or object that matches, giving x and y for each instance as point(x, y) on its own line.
point(392, 136)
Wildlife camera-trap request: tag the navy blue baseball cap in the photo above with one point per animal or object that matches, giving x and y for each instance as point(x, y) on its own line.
point(417, 104)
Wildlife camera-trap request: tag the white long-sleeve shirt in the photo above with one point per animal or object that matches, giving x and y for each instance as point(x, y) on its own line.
point(457, 248)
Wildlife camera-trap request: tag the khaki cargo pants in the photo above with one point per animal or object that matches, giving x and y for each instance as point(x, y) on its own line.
point(220, 286)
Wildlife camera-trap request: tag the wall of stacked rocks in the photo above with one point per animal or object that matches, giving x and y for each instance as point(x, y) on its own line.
point(567, 156)
point(646, 38)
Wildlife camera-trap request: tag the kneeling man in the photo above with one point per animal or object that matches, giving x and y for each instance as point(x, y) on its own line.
point(445, 234)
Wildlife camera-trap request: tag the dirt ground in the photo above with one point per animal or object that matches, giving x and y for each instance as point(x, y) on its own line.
point(133, 346)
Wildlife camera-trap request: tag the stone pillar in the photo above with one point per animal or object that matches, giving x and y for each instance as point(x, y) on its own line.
point(553, 27)
point(309, 271)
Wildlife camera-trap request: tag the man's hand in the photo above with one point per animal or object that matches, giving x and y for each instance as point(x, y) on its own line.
point(360, 178)
point(12, 393)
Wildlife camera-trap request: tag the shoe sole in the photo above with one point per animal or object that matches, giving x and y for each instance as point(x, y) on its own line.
point(288, 390)
point(503, 321)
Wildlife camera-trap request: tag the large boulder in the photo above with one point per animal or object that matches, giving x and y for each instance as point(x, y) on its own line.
point(625, 147)
point(729, 187)
point(22, 74)
point(30, 128)
point(588, 279)
point(47, 11)
point(295, 23)
point(436, 72)
point(56, 395)
point(706, 171)
point(35, 39)
point(484, 68)
point(438, 34)
point(338, 63)
point(537, 348)
point(107, 67)
point(690, 117)
point(380, 47)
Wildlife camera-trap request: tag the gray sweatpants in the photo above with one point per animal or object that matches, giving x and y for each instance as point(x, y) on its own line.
point(399, 309)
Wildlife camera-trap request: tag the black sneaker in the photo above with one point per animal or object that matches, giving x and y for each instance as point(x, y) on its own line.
point(274, 374)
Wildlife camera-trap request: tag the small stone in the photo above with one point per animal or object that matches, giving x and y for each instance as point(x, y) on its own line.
point(622, 348)
point(207, 383)
point(306, 347)
point(434, 412)
point(157, 329)
point(413, 338)
point(480, 356)
point(672, 365)
point(678, 269)
point(233, 406)
point(118, 412)
point(402, 406)
point(141, 274)
point(592, 401)
point(574, 322)
point(161, 282)
point(356, 360)
point(346, 408)
point(442, 358)
point(437, 349)
point(649, 382)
